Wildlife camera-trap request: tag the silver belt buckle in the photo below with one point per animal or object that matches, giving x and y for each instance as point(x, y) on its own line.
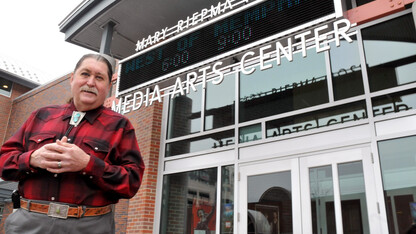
point(58, 210)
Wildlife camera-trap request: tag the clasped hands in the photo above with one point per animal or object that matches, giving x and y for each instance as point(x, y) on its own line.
point(59, 157)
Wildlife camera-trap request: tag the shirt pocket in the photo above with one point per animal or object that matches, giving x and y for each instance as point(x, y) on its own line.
point(39, 140)
point(96, 148)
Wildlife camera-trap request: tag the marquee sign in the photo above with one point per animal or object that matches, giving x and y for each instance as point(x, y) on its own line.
point(217, 39)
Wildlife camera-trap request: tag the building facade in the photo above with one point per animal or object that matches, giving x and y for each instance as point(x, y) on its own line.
point(300, 120)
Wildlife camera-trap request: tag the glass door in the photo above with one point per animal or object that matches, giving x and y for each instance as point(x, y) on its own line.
point(270, 198)
point(320, 194)
point(338, 193)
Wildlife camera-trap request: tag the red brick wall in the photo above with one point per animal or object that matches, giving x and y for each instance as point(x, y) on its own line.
point(5, 107)
point(56, 92)
point(147, 122)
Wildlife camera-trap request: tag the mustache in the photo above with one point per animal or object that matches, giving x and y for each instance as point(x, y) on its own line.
point(88, 89)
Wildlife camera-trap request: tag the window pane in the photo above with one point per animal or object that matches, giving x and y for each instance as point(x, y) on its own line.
point(212, 141)
point(270, 203)
point(398, 168)
point(346, 70)
point(390, 50)
point(353, 199)
point(220, 103)
point(394, 103)
point(189, 202)
point(185, 114)
point(284, 88)
point(318, 119)
point(227, 200)
point(322, 194)
point(250, 133)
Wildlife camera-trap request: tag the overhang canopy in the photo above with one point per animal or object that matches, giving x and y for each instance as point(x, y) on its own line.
point(134, 20)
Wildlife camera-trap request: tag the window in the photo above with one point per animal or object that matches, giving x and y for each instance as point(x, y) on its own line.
point(227, 200)
point(189, 202)
point(291, 86)
point(211, 141)
point(220, 103)
point(185, 114)
point(346, 69)
point(390, 51)
point(398, 168)
point(318, 119)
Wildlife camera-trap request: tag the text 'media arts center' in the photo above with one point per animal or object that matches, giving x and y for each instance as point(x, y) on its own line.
point(257, 116)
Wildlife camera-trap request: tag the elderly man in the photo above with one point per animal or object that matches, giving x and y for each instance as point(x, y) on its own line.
point(73, 161)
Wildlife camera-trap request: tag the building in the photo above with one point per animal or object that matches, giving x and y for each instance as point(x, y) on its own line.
point(272, 116)
point(15, 79)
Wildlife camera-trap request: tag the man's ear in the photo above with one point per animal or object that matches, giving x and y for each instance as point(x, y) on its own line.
point(72, 77)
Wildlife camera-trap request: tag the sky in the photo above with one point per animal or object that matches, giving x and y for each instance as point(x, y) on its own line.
point(29, 35)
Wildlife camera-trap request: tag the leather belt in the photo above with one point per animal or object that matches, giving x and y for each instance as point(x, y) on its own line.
point(63, 211)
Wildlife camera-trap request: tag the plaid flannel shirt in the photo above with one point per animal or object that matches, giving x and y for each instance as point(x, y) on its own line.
point(115, 169)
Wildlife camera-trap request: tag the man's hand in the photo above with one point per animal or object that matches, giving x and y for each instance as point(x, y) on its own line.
point(60, 157)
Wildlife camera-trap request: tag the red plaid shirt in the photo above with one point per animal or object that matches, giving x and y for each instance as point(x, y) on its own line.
point(115, 169)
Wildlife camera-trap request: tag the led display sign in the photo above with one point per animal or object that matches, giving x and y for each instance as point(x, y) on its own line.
point(250, 25)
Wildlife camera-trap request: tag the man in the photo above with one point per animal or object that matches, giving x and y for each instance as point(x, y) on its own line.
point(73, 161)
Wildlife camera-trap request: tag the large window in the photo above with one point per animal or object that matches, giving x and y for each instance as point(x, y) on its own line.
point(291, 86)
point(390, 51)
point(346, 69)
point(398, 167)
point(220, 109)
point(189, 202)
point(185, 114)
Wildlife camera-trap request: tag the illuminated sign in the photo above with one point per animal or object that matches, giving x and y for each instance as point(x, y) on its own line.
point(218, 38)
point(337, 30)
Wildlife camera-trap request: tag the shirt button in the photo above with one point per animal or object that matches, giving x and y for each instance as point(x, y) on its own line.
point(56, 175)
point(53, 198)
point(84, 173)
point(27, 172)
point(90, 177)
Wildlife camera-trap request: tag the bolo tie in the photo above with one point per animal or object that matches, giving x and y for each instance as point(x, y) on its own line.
point(76, 118)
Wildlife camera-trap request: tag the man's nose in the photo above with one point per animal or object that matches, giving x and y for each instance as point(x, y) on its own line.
point(91, 81)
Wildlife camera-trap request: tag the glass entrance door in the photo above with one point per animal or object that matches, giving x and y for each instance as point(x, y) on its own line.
point(338, 193)
point(270, 198)
point(326, 193)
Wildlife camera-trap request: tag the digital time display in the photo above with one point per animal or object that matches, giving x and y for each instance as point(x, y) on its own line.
point(254, 23)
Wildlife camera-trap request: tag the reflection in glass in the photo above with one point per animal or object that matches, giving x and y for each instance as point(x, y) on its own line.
point(250, 133)
point(346, 69)
point(394, 103)
point(185, 114)
point(353, 199)
point(227, 200)
point(390, 50)
point(398, 168)
point(220, 103)
point(291, 86)
point(318, 119)
point(212, 141)
point(269, 203)
point(322, 194)
point(189, 202)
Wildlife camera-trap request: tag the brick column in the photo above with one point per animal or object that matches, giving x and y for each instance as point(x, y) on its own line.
point(147, 122)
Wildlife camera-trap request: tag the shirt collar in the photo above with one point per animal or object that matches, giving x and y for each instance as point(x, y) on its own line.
point(90, 115)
